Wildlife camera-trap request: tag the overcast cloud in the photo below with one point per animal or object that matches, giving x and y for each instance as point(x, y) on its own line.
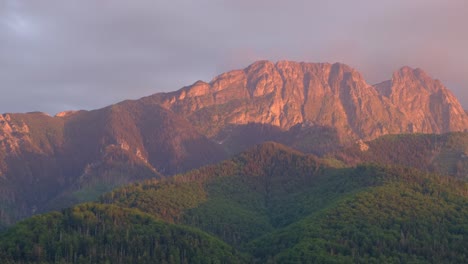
point(58, 55)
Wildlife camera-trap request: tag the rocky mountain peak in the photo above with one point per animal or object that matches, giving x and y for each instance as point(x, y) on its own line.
point(416, 79)
point(429, 106)
point(340, 69)
point(287, 93)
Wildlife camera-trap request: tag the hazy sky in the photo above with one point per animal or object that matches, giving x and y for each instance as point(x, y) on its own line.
point(57, 55)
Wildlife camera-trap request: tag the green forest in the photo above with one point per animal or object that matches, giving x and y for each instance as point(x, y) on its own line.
point(270, 204)
point(445, 154)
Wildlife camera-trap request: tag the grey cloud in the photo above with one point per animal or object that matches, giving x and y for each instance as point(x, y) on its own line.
point(56, 55)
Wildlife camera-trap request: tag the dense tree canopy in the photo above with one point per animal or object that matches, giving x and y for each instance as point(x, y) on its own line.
point(268, 205)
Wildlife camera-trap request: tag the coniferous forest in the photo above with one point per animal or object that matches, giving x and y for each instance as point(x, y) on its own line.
point(270, 204)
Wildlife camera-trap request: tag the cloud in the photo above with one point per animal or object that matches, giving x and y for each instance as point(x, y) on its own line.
point(87, 54)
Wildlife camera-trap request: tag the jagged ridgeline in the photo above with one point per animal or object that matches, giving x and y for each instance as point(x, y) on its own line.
point(288, 93)
point(270, 204)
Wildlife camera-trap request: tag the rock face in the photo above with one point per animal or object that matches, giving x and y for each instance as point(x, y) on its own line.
point(286, 94)
point(429, 107)
point(310, 106)
point(47, 162)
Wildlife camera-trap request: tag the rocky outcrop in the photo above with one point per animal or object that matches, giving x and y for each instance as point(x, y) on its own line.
point(10, 134)
point(318, 94)
point(428, 106)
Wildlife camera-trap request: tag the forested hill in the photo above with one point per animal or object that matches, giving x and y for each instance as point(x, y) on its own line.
point(445, 154)
point(267, 205)
point(94, 233)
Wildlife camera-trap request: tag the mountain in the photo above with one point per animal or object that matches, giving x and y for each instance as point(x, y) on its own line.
point(51, 162)
point(270, 204)
point(54, 162)
point(430, 106)
point(335, 96)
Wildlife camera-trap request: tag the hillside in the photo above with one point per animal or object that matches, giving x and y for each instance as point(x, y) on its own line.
point(275, 205)
point(52, 162)
point(93, 233)
point(445, 154)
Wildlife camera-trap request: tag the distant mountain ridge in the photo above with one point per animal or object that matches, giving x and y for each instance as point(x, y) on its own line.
point(51, 162)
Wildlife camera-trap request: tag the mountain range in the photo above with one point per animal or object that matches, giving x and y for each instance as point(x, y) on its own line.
point(49, 162)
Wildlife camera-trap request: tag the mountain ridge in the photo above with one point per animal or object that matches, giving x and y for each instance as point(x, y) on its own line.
point(288, 93)
point(335, 95)
point(315, 107)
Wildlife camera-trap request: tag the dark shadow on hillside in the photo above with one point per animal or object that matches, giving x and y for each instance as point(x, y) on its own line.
point(314, 139)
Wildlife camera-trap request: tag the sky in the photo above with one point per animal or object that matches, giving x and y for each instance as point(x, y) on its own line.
point(58, 55)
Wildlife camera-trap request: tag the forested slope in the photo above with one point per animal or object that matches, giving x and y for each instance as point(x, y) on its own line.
point(444, 154)
point(270, 204)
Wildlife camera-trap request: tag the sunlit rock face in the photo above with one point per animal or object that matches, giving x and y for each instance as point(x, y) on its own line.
point(331, 95)
point(427, 104)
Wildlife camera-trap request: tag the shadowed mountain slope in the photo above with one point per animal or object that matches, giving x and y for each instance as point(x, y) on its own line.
point(75, 157)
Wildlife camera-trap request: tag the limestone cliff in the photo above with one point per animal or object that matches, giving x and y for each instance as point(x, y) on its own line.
point(428, 106)
point(287, 93)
